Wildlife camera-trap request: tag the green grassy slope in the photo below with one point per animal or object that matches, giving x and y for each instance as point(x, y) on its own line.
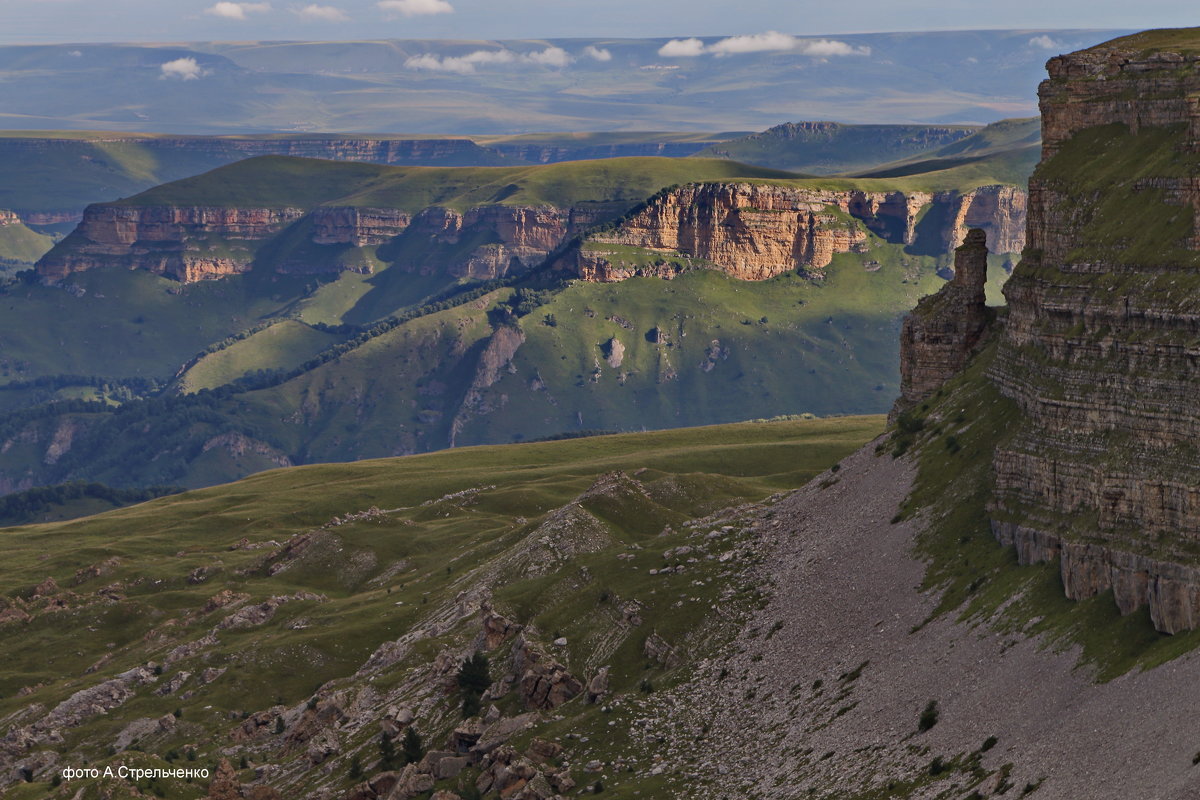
point(283, 346)
point(956, 435)
point(20, 244)
point(279, 181)
point(126, 324)
point(1007, 150)
point(1177, 40)
point(728, 349)
point(464, 520)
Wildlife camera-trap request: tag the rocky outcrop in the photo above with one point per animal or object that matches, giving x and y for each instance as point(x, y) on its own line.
point(192, 243)
point(1098, 350)
point(174, 241)
point(8, 218)
point(945, 328)
point(358, 226)
point(543, 682)
point(999, 211)
point(496, 357)
point(758, 231)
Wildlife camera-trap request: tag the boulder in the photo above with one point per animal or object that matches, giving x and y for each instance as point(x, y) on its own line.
point(598, 686)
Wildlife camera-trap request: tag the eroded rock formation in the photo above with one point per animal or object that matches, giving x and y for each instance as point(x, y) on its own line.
point(758, 231)
point(750, 231)
point(192, 243)
point(1099, 347)
point(945, 328)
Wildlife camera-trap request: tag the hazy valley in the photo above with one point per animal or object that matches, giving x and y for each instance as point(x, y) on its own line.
point(822, 460)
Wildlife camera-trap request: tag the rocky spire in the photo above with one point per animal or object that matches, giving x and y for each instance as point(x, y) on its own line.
point(943, 330)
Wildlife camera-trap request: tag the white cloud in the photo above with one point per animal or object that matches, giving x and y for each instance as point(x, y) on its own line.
point(1045, 42)
point(185, 69)
point(550, 57)
point(236, 10)
point(681, 48)
point(597, 53)
point(465, 65)
point(823, 48)
point(415, 8)
point(771, 41)
point(756, 43)
point(317, 13)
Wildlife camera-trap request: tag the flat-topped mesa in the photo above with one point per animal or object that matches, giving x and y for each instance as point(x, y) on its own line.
point(755, 231)
point(1098, 349)
point(945, 329)
point(196, 243)
point(749, 230)
point(1119, 82)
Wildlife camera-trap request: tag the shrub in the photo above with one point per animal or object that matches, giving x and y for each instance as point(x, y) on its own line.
point(387, 752)
point(474, 678)
point(929, 717)
point(414, 748)
point(991, 741)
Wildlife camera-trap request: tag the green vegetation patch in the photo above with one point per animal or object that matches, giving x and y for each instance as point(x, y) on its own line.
point(285, 182)
point(1115, 187)
point(410, 535)
point(956, 433)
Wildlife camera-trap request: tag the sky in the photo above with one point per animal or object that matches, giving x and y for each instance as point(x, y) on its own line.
point(44, 21)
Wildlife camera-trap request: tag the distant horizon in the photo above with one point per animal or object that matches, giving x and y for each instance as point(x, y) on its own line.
point(153, 21)
point(665, 37)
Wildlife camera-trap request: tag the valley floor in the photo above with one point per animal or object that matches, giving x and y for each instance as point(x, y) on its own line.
point(821, 694)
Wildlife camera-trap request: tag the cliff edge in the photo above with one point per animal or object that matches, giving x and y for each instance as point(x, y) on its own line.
point(1099, 347)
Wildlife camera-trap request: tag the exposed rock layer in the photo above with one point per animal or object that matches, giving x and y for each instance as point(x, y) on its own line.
point(1099, 351)
point(944, 329)
point(751, 231)
point(758, 231)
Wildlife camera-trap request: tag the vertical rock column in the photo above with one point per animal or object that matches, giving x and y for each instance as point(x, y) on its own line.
point(944, 329)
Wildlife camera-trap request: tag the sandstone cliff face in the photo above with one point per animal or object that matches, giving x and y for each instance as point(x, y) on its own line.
point(197, 243)
point(1099, 347)
point(8, 218)
point(166, 240)
point(756, 231)
point(751, 231)
point(944, 329)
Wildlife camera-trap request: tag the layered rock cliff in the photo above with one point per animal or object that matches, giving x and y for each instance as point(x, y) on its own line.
point(195, 243)
point(167, 240)
point(1099, 350)
point(944, 330)
point(757, 231)
point(752, 231)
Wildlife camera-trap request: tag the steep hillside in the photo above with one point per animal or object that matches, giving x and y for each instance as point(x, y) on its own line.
point(287, 311)
point(1009, 148)
point(1036, 487)
point(20, 246)
point(330, 216)
point(578, 568)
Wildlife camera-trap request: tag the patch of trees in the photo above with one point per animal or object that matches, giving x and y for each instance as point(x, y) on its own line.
point(28, 505)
